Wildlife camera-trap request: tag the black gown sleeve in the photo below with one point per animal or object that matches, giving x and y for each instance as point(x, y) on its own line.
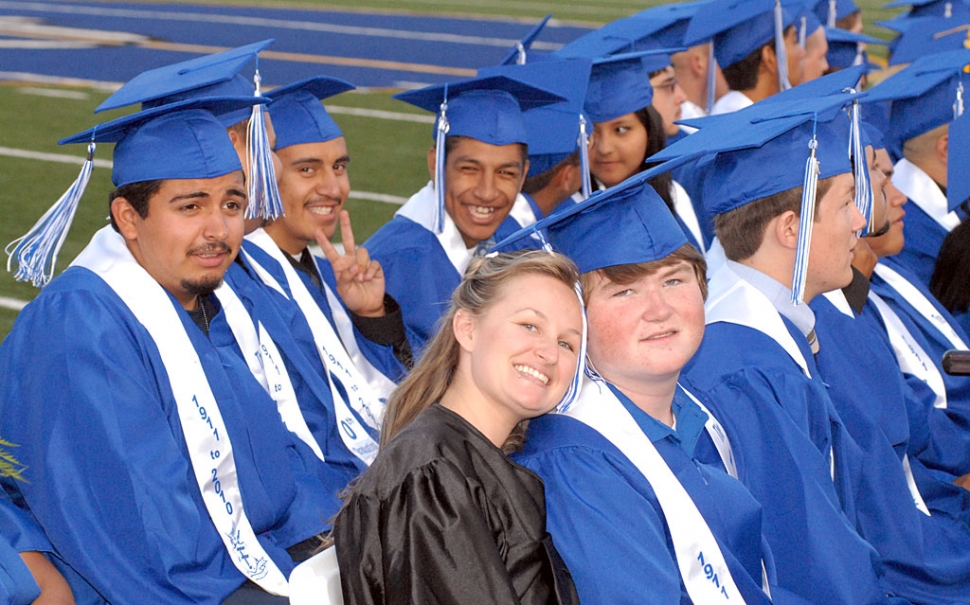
point(428, 541)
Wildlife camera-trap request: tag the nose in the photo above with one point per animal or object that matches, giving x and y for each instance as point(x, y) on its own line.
point(679, 95)
point(655, 306)
point(216, 225)
point(328, 185)
point(858, 221)
point(548, 351)
point(896, 197)
point(485, 187)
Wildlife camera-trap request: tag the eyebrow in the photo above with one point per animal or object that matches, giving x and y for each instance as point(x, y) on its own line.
point(237, 193)
point(470, 160)
point(188, 196)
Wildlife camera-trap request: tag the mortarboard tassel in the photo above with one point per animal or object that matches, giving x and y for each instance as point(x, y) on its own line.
point(860, 55)
point(520, 58)
point(805, 223)
point(803, 32)
point(948, 10)
point(711, 78)
point(576, 385)
point(863, 188)
point(264, 194)
point(36, 251)
point(587, 187)
point(958, 103)
point(832, 14)
point(439, 164)
point(780, 54)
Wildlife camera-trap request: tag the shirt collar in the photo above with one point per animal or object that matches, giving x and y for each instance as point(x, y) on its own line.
point(780, 296)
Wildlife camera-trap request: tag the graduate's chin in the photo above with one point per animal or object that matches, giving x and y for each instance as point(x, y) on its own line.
point(202, 287)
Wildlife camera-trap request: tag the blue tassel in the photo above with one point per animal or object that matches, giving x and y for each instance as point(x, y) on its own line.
point(782, 56)
point(36, 251)
point(439, 165)
point(584, 157)
point(264, 194)
point(805, 223)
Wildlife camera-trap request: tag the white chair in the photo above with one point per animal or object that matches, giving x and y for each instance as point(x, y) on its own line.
point(316, 581)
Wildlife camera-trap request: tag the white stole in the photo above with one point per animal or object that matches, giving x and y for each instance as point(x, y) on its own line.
point(333, 356)
point(685, 210)
point(206, 437)
point(837, 298)
point(420, 208)
point(703, 569)
point(266, 365)
point(925, 193)
point(911, 357)
point(923, 306)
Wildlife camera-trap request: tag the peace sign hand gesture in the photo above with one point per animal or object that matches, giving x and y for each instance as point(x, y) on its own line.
point(360, 280)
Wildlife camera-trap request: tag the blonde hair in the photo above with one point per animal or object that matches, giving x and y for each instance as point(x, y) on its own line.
point(480, 287)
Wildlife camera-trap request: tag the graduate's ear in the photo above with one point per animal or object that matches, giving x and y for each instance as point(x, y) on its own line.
point(769, 61)
point(943, 147)
point(431, 161)
point(125, 217)
point(785, 229)
point(464, 325)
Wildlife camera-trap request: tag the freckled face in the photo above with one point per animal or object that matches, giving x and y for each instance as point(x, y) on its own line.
point(647, 330)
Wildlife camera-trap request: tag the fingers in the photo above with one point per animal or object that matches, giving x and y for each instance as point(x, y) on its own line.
point(346, 233)
point(328, 249)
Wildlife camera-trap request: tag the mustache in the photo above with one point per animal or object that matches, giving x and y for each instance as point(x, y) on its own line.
point(218, 247)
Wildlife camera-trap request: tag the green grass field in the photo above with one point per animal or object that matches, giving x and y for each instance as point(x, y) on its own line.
point(381, 162)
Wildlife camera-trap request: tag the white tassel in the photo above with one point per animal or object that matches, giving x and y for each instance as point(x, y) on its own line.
point(587, 188)
point(520, 58)
point(439, 165)
point(36, 251)
point(803, 32)
point(958, 104)
point(576, 385)
point(805, 223)
point(780, 54)
point(833, 13)
point(863, 188)
point(264, 194)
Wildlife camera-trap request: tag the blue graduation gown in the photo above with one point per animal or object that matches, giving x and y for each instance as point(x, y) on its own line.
point(86, 396)
point(601, 510)
point(952, 427)
point(418, 273)
point(924, 237)
point(926, 558)
point(782, 427)
point(18, 533)
point(287, 326)
point(380, 356)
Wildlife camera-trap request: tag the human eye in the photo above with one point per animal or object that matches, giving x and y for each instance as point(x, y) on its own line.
point(340, 167)
point(307, 170)
point(530, 327)
point(622, 293)
point(622, 129)
point(233, 205)
point(673, 281)
point(566, 345)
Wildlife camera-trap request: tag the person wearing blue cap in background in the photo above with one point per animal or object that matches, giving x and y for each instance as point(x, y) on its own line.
point(926, 96)
point(816, 46)
point(158, 466)
point(623, 477)
point(558, 134)
point(477, 165)
point(755, 367)
point(628, 129)
point(756, 45)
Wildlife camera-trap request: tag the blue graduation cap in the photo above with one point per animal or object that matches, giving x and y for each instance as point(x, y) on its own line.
point(630, 217)
point(958, 155)
point(183, 140)
point(846, 48)
point(554, 131)
point(298, 116)
point(620, 84)
point(830, 11)
point(924, 36)
point(518, 55)
point(932, 8)
point(736, 28)
point(207, 76)
point(651, 29)
point(215, 75)
point(753, 156)
point(487, 109)
point(926, 94)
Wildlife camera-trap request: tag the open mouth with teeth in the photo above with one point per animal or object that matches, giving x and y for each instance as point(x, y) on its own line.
point(524, 369)
point(321, 210)
point(481, 211)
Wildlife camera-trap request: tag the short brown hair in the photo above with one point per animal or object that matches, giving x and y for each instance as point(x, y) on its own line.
point(742, 230)
point(627, 274)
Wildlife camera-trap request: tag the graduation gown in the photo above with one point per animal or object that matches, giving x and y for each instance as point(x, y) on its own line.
point(925, 550)
point(443, 516)
point(87, 398)
point(928, 220)
point(602, 509)
point(18, 533)
point(783, 431)
point(419, 272)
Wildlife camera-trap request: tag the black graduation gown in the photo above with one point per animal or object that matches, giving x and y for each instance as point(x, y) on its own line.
point(443, 516)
